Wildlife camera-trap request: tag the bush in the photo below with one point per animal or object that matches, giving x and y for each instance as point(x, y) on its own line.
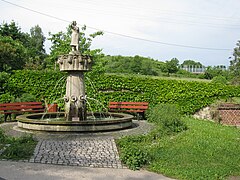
point(219, 79)
point(167, 116)
point(133, 157)
point(132, 153)
point(26, 97)
point(3, 137)
point(20, 148)
point(235, 81)
point(3, 81)
point(6, 98)
point(189, 95)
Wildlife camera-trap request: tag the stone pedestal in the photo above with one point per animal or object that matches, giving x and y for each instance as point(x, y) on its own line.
point(75, 99)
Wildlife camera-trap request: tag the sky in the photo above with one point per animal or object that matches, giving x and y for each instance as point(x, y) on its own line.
point(205, 31)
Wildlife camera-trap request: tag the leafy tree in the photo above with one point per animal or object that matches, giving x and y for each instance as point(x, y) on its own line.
point(215, 71)
point(13, 31)
point(36, 51)
point(32, 43)
point(61, 44)
point(191, 63)
point(172, 66)
point(235, 63)
point(37, 39)
point(131, 65)
point(12, 54)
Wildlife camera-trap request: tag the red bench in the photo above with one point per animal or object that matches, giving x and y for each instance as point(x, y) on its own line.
point(19, 108)
point(138, 108)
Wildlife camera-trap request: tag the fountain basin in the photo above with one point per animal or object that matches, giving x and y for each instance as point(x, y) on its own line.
point(54, 122)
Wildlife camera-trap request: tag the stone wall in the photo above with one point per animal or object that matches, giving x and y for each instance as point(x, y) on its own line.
point(227, 114)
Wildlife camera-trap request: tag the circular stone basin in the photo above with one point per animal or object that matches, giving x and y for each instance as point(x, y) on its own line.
point(55, 122)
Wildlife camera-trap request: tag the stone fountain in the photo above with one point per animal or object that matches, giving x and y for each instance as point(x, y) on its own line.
point(75, 114)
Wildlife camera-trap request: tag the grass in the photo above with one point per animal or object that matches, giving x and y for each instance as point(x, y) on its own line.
point(20, 148)
point(205, 151)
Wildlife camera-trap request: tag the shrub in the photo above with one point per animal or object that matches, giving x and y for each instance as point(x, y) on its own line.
point(167, 116)
point(3, 137)
point(20, 148)
point(26, 97)
point(3, 81)
point(219, 79)
point(5, 98)
point(189, 95)
point(132, 153)
point(235, 81)
point(133, 157)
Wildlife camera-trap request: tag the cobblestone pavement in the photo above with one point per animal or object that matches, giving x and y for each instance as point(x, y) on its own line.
point(85, 152)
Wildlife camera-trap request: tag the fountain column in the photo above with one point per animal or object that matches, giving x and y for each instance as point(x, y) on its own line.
point(75, 65)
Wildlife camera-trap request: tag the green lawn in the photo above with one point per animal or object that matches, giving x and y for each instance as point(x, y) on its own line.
point(205, 151)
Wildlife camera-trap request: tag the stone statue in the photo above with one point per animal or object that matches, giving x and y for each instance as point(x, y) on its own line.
point(75, 36)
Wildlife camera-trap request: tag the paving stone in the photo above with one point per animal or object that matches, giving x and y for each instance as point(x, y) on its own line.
point(86, 152)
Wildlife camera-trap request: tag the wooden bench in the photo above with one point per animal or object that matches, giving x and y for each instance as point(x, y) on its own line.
point(19, 108)
point(138, 108)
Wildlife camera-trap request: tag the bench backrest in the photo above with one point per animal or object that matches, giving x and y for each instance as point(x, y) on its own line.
point(133, 106)
point(22, 106)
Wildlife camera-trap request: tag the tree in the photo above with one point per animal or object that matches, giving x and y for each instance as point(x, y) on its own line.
point(172, 66)
point(215, 71)
point(36, 49)
point(188, 63)
point(235, 63)
point(61, 44)
point(33, 44)
point(12, 54)
point(13, 31)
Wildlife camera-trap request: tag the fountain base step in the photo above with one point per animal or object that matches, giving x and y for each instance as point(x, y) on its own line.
point(54, 122)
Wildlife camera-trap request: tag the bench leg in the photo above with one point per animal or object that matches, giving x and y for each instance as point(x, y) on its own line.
point(141, 116)
point(5, 117)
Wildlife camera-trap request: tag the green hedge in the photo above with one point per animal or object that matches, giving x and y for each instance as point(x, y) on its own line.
point(102, 88)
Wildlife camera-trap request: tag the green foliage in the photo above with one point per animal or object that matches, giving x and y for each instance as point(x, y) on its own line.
point(3, 137)
point(3, 81)
point(171, 66)
point(212, 72)
point(219, 79)
point(131, 65)
point(26, 97)
point(36, 51)
point(191, 63)
point(12, 30)
point(61, 44)
point(167, 116)
point(235, 81)
point(20, 148)
point(205, 151)
point(20, 50)
point(235, 63)
point(12, 54)
point(134, 157)
point(188, 96)
point(7, 97)
point(131, 154)
point(44, 85)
